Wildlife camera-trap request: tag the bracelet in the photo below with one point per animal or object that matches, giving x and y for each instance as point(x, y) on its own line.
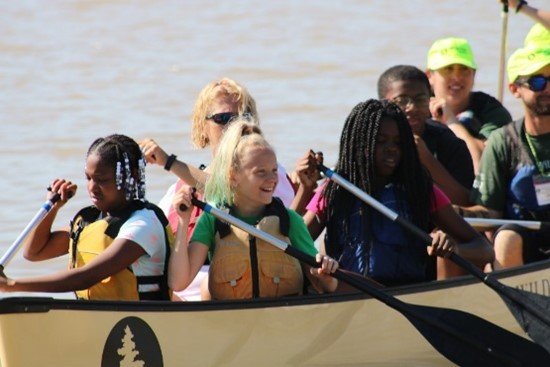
point(521, 3)
point(170, 161)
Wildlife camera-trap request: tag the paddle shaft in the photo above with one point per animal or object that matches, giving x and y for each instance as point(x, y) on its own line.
point(487, 222)
point(410, 311)
point(12, 250)
point(457, 259)
point(503, 47)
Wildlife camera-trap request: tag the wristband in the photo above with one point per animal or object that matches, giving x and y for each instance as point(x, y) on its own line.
point(170, 161)
point(521, 3)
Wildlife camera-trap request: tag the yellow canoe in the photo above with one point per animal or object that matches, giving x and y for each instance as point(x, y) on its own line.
point(350, 329)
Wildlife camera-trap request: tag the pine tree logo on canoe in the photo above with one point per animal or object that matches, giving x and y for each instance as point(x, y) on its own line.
point(132, 343)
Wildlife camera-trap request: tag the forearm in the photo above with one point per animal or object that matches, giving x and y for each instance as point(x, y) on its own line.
point(42, 244)
point(190, 174)
point(64, 281)
point(475, 146)
point(302, 198)
point(478, 211)
point(539, 16)
point(179, 276)
point(479, 251)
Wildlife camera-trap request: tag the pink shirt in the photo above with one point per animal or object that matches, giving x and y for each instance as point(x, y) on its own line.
point(318, 203)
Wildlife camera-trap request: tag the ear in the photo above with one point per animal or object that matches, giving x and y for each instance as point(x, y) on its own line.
point(430, 75)
point(233, 181)
point(514, 89)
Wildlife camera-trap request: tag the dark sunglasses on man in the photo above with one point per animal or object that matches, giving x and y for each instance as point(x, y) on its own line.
point(536, 83)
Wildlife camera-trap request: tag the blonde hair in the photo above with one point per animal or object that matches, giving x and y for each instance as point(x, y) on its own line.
point(241, 134)
point(223, 88)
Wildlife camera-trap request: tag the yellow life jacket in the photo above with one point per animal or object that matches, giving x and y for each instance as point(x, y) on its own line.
point(247, 267)
point(91, 235)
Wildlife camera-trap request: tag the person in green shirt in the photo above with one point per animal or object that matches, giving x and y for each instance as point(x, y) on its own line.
point(243, 180)
point(514, 179)
point(471, 115)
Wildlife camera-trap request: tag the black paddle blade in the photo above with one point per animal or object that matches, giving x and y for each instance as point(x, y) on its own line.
point(533, 314)
point(469, 340)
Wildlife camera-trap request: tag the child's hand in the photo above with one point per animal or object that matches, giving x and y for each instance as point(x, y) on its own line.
point(328, 265)
point(442, 111)
point(5, 282)
point(306, 168)
point(182, 202)
point(442, 244)
point(152, 152)
point(65, 189)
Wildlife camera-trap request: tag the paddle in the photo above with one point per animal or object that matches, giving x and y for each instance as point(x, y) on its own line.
point(12, 250)
point(503, 47)
point(531, 310)
point(463, 338)
point(490, 223)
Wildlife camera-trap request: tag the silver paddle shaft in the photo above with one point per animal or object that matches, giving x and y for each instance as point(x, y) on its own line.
point(12, 250)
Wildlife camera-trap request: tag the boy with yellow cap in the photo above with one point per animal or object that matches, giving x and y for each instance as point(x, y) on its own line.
point(472, 116)
point(514, 179)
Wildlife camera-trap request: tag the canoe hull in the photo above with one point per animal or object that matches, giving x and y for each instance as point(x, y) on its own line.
point(333, 330)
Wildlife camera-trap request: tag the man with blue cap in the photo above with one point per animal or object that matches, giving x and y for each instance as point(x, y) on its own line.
point(514, 179)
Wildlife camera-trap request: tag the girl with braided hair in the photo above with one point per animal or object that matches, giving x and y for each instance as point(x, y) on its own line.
point(378, 155)
point(118, 247)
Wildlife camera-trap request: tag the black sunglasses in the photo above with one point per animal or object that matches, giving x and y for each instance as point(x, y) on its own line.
point(537, 83)
point(222, 118)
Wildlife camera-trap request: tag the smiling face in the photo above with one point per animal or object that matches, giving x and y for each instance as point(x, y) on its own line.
point(418, 112)
point(453, 83)
point(536, 102)
point(255, 180)
point(101, 185)
point(387, 152)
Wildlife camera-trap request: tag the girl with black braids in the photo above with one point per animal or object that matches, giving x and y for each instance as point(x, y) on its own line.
point(378, 155)
point(118, 247)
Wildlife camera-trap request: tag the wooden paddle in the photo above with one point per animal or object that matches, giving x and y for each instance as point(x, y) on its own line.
point(12, 250)
point(503, 47)
point(463, 338)
point(531, 310)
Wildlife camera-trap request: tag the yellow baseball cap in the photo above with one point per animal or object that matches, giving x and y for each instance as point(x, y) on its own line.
point(448, 51)
point(527, 60)
point(539, 35)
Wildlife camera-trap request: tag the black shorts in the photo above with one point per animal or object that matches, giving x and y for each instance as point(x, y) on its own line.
point(536, 243)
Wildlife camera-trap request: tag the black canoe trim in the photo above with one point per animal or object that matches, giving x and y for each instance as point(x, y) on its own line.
point(44, 304)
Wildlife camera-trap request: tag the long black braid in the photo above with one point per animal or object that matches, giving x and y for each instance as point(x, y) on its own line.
point(124, 155)
point(356, 164)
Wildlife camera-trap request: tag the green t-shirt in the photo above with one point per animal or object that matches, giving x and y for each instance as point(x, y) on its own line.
point(490, 113)
point(298, 234)
point(495, 176)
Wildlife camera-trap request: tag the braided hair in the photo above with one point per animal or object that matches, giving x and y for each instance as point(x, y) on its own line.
point(124, 155)
point(356, 164)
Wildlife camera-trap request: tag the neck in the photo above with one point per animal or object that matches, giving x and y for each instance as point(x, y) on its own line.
point(213, 149)
point(247, 209)
point(462, 106)
point(536, 124)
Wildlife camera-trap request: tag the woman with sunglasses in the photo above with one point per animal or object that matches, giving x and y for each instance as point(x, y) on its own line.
point(217, 105)
point(514, 180)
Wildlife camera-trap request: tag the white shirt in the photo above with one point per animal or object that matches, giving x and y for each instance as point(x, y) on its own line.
point(144, 228)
